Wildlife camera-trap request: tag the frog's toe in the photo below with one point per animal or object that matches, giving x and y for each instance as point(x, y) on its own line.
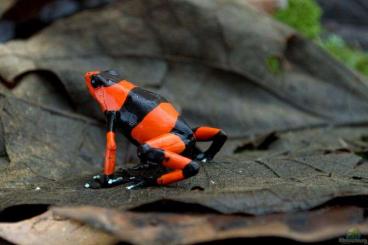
point(97, 177)
point(94, 184)
point(203, 157)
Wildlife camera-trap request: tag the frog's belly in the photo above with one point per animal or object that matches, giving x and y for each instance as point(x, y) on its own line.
point(160, 120)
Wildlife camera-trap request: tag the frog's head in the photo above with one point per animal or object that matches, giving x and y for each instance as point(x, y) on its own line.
point(98, 82)
point(90, 81)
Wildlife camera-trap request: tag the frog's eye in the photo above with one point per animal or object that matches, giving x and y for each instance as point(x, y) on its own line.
point(94, 82)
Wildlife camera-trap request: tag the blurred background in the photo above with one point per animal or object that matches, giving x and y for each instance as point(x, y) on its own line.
point(339, 26)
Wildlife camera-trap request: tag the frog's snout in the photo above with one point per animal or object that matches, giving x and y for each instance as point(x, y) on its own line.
point(89, 74)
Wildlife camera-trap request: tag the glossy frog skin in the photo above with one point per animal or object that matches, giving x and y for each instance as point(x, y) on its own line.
point(151, 123)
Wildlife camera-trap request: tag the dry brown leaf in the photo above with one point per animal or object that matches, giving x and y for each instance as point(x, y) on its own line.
point(218, 65)
point(58, 151)
point(166, 228)
point(52, 230)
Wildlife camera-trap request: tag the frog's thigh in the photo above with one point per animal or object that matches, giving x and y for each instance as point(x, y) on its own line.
point(168, 142)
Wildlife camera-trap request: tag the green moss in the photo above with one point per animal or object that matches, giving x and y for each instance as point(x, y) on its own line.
point(303, 15)
point(352, 57)
point(274, 65)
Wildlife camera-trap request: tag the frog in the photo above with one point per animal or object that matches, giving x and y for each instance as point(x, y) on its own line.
point(152, 124)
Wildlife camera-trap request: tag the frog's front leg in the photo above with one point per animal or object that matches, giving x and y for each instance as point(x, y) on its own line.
point(108, 179)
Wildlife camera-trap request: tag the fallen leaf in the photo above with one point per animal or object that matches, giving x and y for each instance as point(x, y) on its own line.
point(49, 229)
point(214, 65)
point(161, 228)
point(22, 18)
point(43, 89)
point(261, 142)
point(52, 153)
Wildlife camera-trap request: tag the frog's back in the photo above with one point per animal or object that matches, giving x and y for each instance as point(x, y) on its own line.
point(142, 115)
point(146, 115)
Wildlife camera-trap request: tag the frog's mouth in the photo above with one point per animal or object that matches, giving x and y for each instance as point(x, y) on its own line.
point(99, 95)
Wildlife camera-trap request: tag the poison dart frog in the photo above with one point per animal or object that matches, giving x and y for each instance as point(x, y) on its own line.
point(152, 124)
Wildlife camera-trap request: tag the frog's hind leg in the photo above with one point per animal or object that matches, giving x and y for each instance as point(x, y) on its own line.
point(216, 135)
point(166, 150)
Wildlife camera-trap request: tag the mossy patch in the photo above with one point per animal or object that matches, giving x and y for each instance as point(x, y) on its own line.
point(274, 64)
point(305, 17)
point(352, 57)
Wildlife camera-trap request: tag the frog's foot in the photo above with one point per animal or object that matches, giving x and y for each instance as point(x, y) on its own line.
point(106, 181)
point(203, 157)
point(141, 182)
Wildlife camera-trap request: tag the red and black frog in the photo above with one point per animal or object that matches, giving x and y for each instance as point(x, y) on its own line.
point(152, 124)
